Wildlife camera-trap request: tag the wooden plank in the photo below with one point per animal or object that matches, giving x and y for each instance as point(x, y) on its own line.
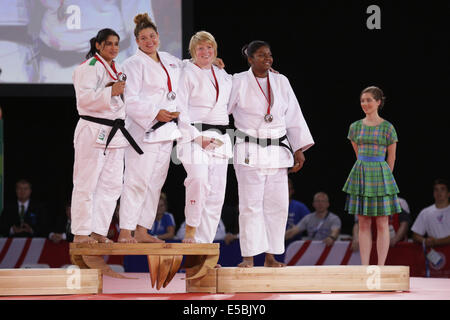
point(208, 283)
point(165, 262)
point(313, 279)
point(144, 249)
point(176, 263)
point(153, 266)
point(49, 281)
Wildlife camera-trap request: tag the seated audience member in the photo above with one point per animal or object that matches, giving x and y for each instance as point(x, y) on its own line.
point(297, 211)
point(398, 226)
point(61, 227)
point(164, 225)
point(320, 224)
point(24, 217)
point(432, 225)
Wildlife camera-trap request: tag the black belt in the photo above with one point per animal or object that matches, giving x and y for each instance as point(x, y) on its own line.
point(116, 125)
point(204, 126)
point(262, 141)
point(160, 124)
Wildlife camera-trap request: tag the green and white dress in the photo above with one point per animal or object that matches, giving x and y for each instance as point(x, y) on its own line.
point(371, 187)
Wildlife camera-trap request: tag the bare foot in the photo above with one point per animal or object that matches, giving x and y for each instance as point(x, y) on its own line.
point(126, 237)
point(83, 239)
point(141, 235)
point(100, 238)
point(247, 262)
point(189, 235)
point(217, 266)
point(188, 240)
point(272, 263)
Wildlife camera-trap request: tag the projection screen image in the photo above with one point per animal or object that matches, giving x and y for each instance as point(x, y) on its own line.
point(42, 41)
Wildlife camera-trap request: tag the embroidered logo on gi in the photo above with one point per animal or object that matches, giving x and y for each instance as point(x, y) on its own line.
point(173, 65)
point(192, 202)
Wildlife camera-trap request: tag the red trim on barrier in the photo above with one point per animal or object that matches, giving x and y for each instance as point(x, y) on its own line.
point(22, 256)
point(5, 249)
point(299, 253)
point(324, 255)
point(348, 254)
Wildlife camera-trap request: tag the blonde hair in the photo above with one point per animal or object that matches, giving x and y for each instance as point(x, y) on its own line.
point(202, 36)
point(143, 21)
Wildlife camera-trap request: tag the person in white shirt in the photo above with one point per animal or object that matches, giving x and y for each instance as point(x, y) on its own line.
point(151, 98)
point(100, 139)
point(271, 137)
point(321, 224)
point(205, 146)
point(432, 225)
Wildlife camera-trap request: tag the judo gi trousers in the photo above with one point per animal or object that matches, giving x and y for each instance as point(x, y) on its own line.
point(205, 193)
point(263, 209)
point(97, 185)
point(143, 180)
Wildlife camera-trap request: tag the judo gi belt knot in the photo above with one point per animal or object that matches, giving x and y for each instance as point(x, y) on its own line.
point(117, 124)
point(263, 142)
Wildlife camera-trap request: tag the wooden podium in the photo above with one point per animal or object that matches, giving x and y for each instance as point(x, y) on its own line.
point(164, 259)
point(302, 279)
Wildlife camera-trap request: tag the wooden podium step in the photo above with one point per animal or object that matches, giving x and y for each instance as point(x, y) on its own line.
point(15, 282)
point(302, 279)
point(164, 259)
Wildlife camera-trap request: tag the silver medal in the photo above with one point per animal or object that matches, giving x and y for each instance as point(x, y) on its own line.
point(122, 77)
point(268, 118)
point(171, 95)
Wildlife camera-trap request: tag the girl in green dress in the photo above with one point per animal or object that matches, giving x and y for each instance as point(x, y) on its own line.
point(371, 188)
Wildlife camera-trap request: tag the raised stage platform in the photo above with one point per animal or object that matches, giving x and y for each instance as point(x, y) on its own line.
point(140, 289)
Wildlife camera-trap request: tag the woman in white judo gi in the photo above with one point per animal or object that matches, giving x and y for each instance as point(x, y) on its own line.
point(271, 136)
point(100, 139)
point(151, 98)
point(205, 146)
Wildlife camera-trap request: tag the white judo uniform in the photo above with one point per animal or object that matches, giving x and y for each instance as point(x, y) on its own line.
point(262, 171)
point(206, 168)
point(145, 95)
point(97, 173)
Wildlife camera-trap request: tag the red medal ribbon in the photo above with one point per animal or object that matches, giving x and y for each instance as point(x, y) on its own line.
point(112, 66)
point(268, 90)
point(216, 86)
point(169, 83)
point(217, 83)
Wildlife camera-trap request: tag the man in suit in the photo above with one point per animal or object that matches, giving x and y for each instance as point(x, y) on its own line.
point(24, 218)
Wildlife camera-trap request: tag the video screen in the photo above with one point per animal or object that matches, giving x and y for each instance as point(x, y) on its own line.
point(42, 41)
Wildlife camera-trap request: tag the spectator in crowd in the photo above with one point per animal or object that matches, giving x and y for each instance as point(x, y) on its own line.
point(398, 226)
point(61, 227)
point(24, 217)
point(320, 224)
point(432, 226)
point(297, 211)
point(164, 225)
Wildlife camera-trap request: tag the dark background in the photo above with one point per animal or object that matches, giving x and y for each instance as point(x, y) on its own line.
point(329, 56)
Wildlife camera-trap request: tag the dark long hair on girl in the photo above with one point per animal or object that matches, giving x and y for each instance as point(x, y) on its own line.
point(102, 35)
